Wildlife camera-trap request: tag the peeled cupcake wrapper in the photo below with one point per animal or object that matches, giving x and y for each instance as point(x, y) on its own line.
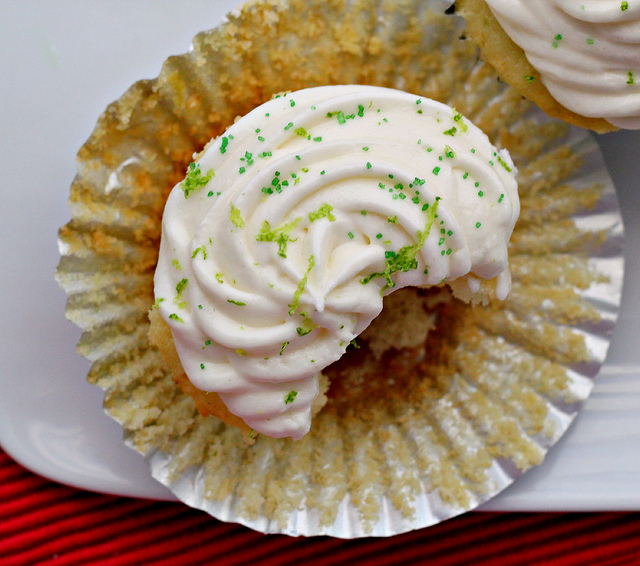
point(422, 434)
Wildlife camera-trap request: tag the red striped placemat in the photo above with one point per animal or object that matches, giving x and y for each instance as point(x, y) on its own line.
point(43, 522)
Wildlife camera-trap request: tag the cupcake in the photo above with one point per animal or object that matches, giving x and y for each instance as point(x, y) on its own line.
point(579, 61)
point(440, 403)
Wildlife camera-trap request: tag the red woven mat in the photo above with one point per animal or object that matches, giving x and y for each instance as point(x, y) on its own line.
point(43, 522)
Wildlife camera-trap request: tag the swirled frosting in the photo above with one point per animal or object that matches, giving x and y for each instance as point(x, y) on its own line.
point(587, 52)
point(280, 243)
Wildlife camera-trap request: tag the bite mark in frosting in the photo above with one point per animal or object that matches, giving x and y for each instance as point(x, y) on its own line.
point(279, 245)
point(587, 52)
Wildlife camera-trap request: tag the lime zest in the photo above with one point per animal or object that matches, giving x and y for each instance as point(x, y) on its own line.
point(279, 235)
point(236, 217)
point(195, 179)
point(323, 212)
point(405, 258)
point(290, 397)
point(300, 289)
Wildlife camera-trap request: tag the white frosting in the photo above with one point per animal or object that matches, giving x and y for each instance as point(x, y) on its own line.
point(336, 179)
point(587, 52)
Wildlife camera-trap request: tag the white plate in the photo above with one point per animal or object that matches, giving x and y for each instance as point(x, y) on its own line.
point(61, 63)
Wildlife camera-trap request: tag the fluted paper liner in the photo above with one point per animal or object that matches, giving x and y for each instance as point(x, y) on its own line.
point(410, 436)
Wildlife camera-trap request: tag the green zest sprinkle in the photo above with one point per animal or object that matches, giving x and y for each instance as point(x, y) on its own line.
point(449, 152)
point(392, 219)
point(195, 179)
point(557, 39)
point(219, 278)
point(436, 170)
point(369, 165)
point(202, 249)
point(241, 352)
point(504, 164)
point(201, 366)
point(451, 132)
point(179, 288)
point(224, 144)
point(284, 345)
point(302, 132)
point(590, 41)
point(323, 212)
point(157, 302)
point(350, 234)
point(354, 344)
point(279, 235)
point(378, 236)
point(236, 217)
point(300, 289)
point(292, 103)
point(236, 303)
point(181, 285)
point(631, 80)
point(290, 397)
point(307, 326)
point(405, 258)
point(175, 317)
point(529, 78)
point(501, 197)
point(478, 224)
point(457, 117)
point(624, 6)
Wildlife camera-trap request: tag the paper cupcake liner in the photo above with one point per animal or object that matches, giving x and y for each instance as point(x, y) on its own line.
point(412, 438)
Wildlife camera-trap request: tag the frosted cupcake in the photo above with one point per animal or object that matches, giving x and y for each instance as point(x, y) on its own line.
point(579, 61)
point(442, 403)
point(288, 231)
